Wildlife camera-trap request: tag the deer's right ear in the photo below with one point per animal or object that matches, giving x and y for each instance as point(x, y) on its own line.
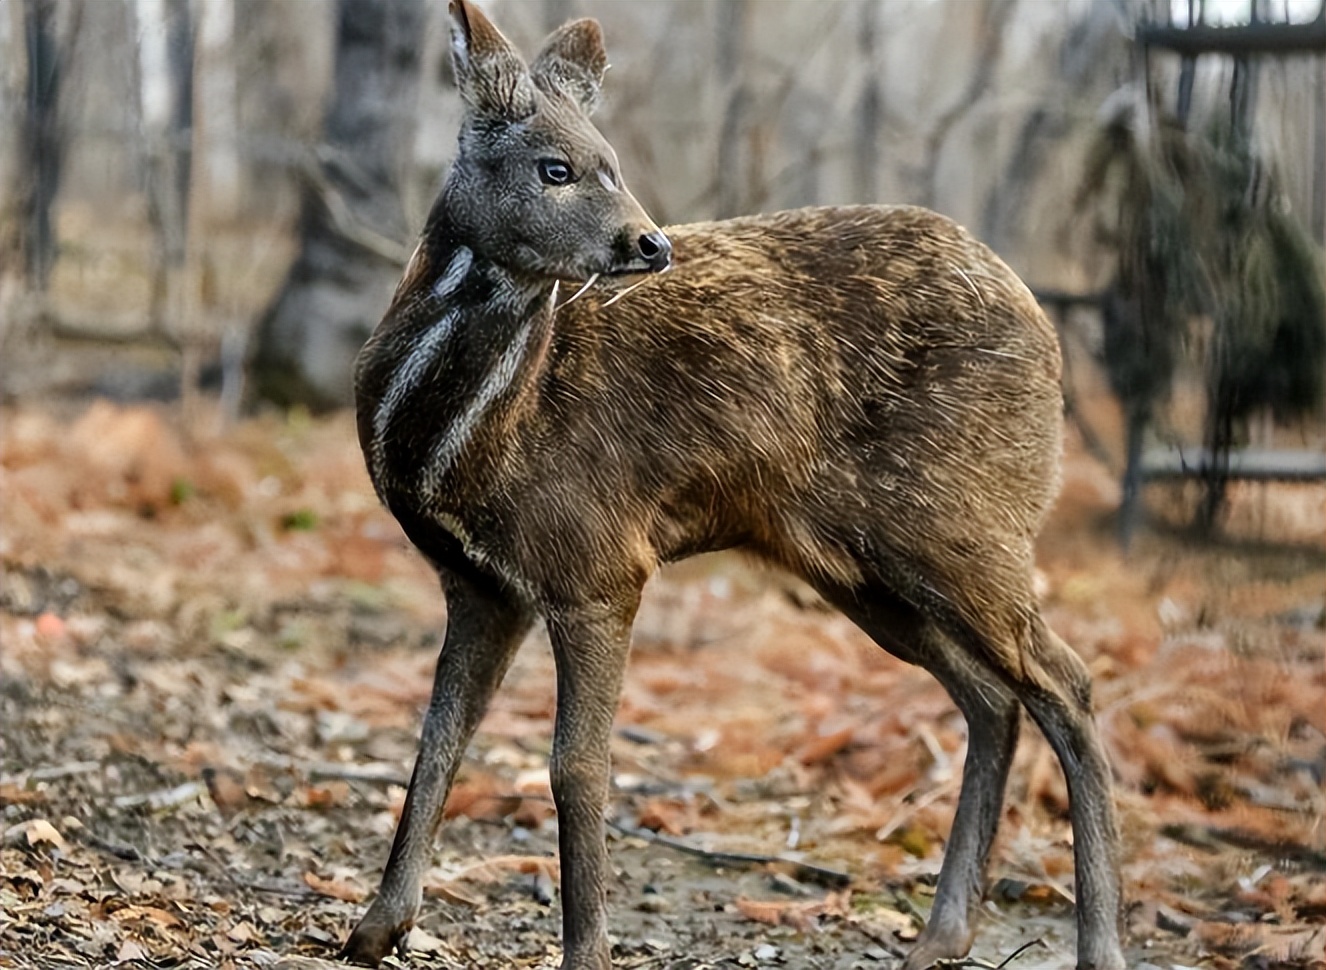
point(573, 61)
point(490, 73)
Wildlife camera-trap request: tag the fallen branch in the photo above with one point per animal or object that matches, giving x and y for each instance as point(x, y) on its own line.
point(56, 772)
point(803, 871)
point(373, 773)
point(1212, 837)
point(163, 799)
point(376, 772)
point(120, 850)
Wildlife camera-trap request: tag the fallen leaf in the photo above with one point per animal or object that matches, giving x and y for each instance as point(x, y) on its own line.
point(335, 888)
point(12, 794)
point(151, 914)
point(422, 941)
point(35, 832)
point(130, 951)
point(800, 915)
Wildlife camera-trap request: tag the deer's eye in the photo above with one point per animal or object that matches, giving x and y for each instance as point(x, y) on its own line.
point(555, 172)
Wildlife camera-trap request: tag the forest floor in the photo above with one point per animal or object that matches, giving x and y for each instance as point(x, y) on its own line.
point(216, 647)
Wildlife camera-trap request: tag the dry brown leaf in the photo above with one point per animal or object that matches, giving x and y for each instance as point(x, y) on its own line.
point(12, 794)
point(327, 795)
point(801, 915)
point(671, 816)
point(483, 798)
point(37, 831)
point(245, 932)
point(341, 889)
point(499, 867)
point(151, 914)
point(825, 746)
point(128, 951)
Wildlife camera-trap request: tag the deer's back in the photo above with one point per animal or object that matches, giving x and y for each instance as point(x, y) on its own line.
point(803, 381)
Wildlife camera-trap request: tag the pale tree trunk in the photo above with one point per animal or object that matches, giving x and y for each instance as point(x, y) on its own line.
point(1089, 47)
point(354, 236)
point(732, 17)
point(13, 71)
point(165, 71)
point(216, 119)
point(995, 15)
point(1319, 154)
point(865, 149)
point(213, 201)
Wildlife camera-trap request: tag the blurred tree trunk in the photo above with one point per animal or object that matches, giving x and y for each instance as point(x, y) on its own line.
point(731, 76)
point(352, 224)
point(1088, 50)
point(994, 18)
point(47, 43)
point(166, 96)
point(865, 153)
point(1319, 156)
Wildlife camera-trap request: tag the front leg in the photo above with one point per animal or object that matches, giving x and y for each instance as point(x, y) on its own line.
point(484, 628)
point(590, 647)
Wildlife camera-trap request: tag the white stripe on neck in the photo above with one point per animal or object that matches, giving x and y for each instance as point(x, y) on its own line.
point(458, 435)
point(425, 352)
point(460, 264)
point(410, 373)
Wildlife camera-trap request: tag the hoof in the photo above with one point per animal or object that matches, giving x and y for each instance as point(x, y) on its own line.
point(596, 958)
point(370, 942)
point(935, 944)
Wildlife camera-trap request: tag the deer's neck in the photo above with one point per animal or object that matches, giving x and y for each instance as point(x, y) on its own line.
point(440, 379)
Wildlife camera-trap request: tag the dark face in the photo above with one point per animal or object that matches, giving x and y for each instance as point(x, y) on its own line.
point(535, 185)
point(544, 196)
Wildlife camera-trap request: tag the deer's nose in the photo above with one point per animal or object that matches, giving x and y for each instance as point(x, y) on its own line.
point(656, 249)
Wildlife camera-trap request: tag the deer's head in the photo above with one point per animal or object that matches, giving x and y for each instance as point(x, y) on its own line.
point(535, 186)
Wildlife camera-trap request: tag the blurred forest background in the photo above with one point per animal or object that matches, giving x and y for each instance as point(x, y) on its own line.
point(169, 155)
point(221, 194)
point(211, 634)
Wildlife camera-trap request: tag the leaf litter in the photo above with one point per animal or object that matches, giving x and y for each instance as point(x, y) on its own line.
point(214, 651)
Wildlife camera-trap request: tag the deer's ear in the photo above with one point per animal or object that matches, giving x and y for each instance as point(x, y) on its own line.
point(490, 73)
point(573, 61)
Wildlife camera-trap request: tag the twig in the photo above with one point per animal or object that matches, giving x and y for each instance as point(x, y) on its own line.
point(905, 810)
point(121, 850)
point(56, 772)
point(376, 772)
point(271, 886)
point(163, 799)
point(1021, 950)
point(972, 962)
point(1210, 837)
point(804, 871)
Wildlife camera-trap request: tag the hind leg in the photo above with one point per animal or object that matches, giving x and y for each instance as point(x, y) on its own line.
point(992, 714)
point(1010, 637)
point(1055, 686)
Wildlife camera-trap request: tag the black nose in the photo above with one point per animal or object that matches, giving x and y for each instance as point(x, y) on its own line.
point(656, 248)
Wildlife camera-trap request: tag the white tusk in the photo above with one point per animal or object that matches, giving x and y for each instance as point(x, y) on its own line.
point(627, 290)
point(580, 292)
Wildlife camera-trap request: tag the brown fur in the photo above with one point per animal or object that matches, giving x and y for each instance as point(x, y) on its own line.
point(866, 396)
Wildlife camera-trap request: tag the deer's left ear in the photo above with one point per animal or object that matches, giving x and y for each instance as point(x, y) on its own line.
point(573, 61)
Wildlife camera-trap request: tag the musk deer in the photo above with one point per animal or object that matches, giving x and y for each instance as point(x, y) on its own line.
point(867, 397)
